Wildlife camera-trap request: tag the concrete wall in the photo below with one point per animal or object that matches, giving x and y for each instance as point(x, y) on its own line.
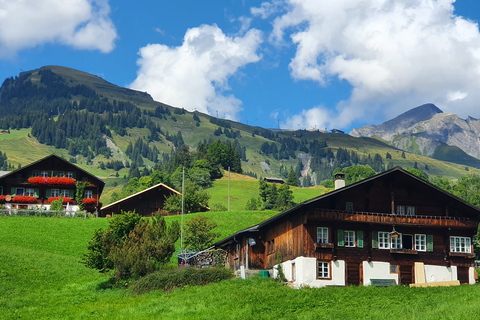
point(377, 270)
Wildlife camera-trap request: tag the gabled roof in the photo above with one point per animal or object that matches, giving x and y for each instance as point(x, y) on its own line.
point(101, 183)
point(140, 193)
point(344, 189)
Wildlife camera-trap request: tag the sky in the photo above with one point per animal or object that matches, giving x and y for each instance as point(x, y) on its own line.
point(290, 64)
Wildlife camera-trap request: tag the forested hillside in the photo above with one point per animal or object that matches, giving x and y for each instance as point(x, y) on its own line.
point(119, 134)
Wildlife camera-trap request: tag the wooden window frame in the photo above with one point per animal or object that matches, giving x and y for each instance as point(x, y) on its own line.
point(88, 194)
point(44, 173)
point(329, 276)
point(401, 210)
point(30, 192)
point(325, 229)
point(410, 211)
point(396, 268)
point(35, 173)
point(418, 243)
point(381, 236)
point(349, 206)
point(57, 192)
point(467, 247)
point(69, 174)
point(347, 239)
point(63, 191)
point(18, 193)
point(396, 243)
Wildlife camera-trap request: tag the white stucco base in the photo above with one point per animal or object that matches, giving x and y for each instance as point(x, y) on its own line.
point(46, 207)
point(440, 273)
point(471, 275)
point(305, 270)
point(302, 272)
point(377, 270)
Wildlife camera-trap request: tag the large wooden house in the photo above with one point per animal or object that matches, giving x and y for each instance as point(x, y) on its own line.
point(37, 184)
point(392, 227)
point(146, 202)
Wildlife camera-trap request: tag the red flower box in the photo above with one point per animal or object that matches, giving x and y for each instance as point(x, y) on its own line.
point(64, 181)
point(2, 198)
point(24, 199)
point(89, 200)
point(65, 199)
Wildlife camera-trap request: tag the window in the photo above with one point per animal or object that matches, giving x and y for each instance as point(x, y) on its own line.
point(393, 268)
point(383, 240)
point(44, 173)
point(396, 243)
point(322, 235)
point(19, 191)
point(65, 193)
point(30, 192)
point(460, 244)
point(55, 193)
point(323, 270)
point(401, 210)
point(421, 242)
point(69, 174)
point(349, 238)
point(35, 173)
point(349, 206)
point(410, 211)
point(85, 179)
point(237, 251)
point(60, 174)
point(88, 194)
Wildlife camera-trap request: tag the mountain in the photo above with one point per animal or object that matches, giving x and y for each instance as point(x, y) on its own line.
point(427, 131)
point(113, 131)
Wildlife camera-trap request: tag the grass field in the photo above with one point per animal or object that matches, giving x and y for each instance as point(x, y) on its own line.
point(41, 278)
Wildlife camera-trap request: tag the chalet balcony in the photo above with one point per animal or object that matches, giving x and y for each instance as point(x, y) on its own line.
point(391, 219)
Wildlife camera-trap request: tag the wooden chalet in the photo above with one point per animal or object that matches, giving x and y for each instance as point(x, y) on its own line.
point(37, 184)
point(145, 203)
point(393, 227)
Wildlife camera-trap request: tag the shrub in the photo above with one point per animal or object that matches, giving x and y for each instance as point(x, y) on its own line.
point(149, 246)
point(166, 280)
point(198, 233)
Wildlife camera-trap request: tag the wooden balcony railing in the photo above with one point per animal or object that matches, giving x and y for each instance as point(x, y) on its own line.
point(391, 219)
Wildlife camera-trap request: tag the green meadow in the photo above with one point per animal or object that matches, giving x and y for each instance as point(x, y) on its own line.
point(41, 277)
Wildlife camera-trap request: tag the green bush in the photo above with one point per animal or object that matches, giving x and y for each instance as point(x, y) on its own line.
point(166, 280)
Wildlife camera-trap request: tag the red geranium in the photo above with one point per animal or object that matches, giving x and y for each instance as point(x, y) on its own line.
point(89, 200)
point(65, 199)
point(24, 199)
point(64, 181)
point(2, 198)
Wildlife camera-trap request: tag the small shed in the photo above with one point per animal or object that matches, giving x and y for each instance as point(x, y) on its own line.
point(274, 180)
point(146, 203)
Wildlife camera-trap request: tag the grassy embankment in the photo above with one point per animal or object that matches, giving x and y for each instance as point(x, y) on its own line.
point(41, 278)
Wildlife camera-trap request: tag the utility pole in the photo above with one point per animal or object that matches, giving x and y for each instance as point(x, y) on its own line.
point(229, 188)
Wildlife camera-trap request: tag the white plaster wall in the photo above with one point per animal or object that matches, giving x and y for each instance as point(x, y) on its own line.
point(377, 270)
point(440, 273)
point(471, 277)
point(306, 273)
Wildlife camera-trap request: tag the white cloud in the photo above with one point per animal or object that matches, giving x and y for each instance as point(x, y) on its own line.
point(195, 75)
point(395, 54)
point(82, 24)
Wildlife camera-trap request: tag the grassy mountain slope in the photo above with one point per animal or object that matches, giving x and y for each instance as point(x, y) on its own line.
point(22, 147)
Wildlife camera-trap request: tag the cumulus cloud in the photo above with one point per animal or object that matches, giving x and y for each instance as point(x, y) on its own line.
point(82, 24)
point(395, 54)
point(195, 75)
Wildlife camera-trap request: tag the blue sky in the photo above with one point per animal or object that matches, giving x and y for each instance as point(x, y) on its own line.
point(282, 63)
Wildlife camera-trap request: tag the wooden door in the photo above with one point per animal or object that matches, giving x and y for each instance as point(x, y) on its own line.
point(462, 274)
point(353, 273)
point(406, 274)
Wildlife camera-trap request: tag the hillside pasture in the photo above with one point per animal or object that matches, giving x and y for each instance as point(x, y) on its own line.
point(41, 277)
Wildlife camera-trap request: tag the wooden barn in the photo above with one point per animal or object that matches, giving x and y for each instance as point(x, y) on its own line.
point(393, 228)
point(145, 203)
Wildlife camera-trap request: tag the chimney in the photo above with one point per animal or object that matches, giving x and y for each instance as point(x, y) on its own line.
point(339, 180)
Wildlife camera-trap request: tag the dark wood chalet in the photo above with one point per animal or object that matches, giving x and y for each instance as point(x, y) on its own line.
point(392, 227)
point(37, 184)
point(145, 203)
